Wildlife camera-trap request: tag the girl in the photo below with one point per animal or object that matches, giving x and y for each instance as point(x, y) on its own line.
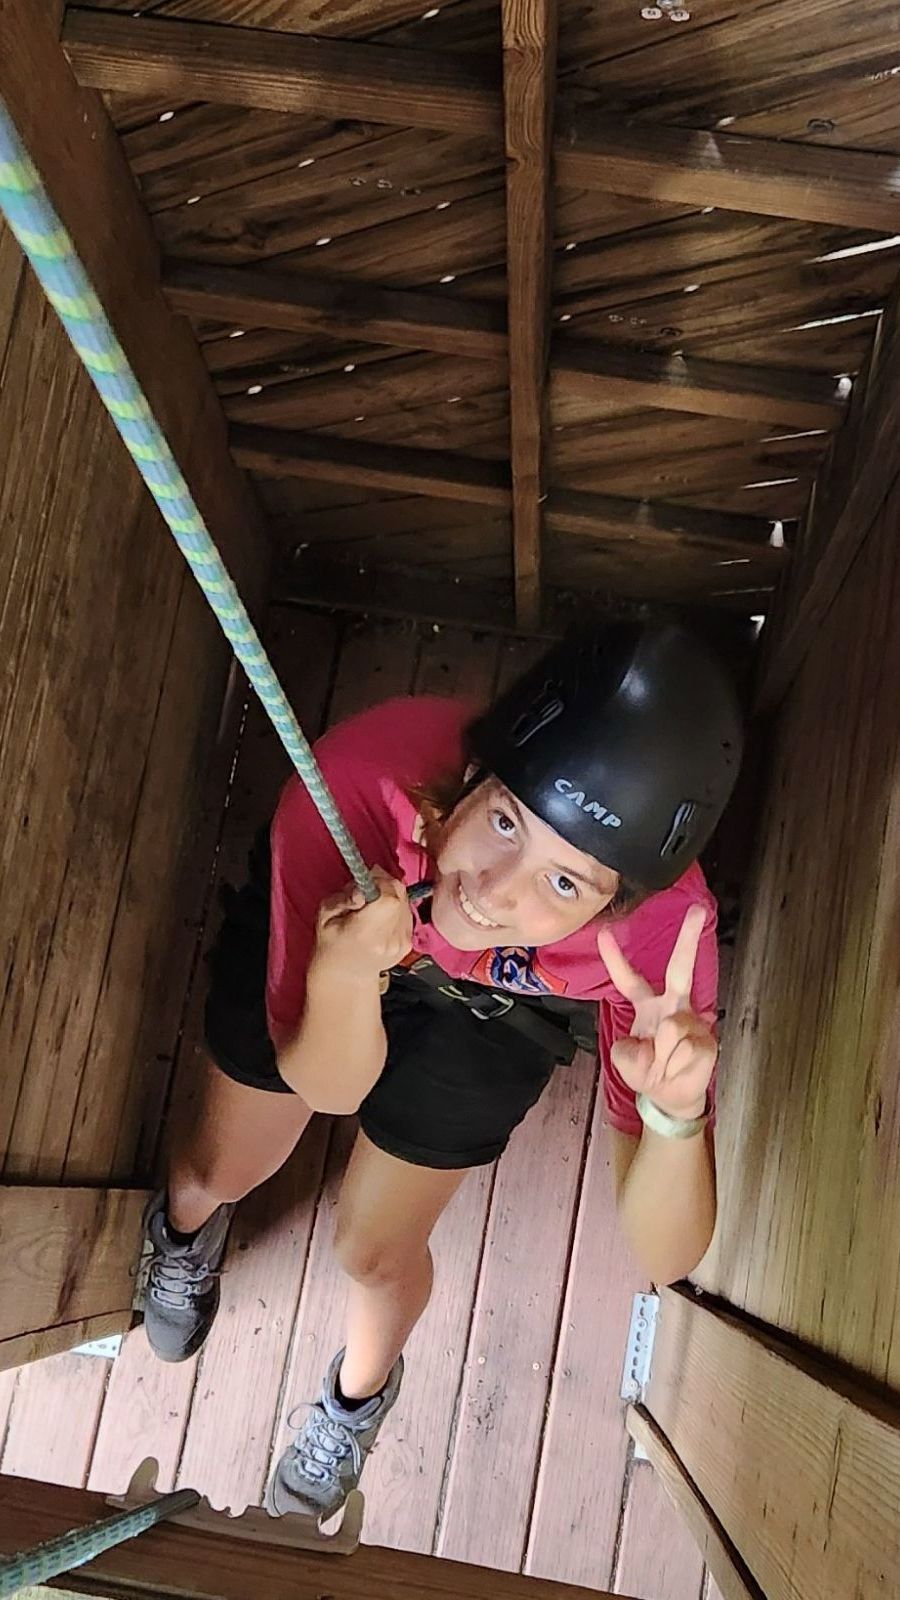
point(543, 854)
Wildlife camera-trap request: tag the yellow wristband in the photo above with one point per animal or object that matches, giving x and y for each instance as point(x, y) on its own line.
point(668, 1127)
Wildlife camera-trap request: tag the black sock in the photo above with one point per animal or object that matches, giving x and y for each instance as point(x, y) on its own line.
point(351, 1405)
point(179, 1238)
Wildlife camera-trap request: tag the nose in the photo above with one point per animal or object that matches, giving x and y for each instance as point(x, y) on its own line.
point(499, 888)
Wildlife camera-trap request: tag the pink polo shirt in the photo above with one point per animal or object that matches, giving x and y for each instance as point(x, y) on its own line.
point(371, 762)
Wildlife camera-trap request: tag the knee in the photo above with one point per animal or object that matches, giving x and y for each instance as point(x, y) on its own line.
point(376, 1263)
point(211, 1182)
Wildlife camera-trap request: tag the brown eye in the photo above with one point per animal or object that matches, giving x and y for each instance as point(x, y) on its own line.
point(503, 823)
point(565, 888)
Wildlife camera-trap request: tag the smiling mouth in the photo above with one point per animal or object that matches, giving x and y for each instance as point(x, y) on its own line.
point(471, 913)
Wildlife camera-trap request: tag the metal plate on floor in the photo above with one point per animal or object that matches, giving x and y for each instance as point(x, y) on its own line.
point(639, 1351)
point(108, 1347)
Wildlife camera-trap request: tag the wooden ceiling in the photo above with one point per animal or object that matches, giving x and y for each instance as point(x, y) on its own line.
point(541, 300)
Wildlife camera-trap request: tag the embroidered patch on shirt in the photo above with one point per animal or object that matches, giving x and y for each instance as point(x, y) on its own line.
point(516, 967)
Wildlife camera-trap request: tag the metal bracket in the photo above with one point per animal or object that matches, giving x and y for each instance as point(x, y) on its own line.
point(108, 1347)
point(639, 1350)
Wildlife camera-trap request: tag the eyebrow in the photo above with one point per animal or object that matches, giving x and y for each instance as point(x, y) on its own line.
point(566, 872)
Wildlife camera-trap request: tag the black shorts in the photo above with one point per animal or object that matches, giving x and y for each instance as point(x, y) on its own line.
point(453, 1087)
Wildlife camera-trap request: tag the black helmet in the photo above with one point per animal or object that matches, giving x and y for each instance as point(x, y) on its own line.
point(626, 739)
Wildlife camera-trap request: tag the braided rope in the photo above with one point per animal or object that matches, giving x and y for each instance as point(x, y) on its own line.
point(73, 1549)
point(28, 209)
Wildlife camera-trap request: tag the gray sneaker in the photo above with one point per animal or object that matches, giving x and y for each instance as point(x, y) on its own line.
point(182, 1295)
point(325, 1461)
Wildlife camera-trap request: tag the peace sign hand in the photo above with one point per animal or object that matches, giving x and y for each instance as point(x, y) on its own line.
point(671, 1054)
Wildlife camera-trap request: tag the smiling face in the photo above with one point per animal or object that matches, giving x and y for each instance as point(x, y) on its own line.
point(504, 877)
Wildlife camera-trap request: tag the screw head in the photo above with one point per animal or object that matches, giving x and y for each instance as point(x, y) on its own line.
point(651, 13)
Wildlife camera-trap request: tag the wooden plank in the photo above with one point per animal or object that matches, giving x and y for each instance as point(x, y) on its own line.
point(64, 590)
point(53, 1419)
point(576, 512)
point(529, 92)
point(324, 459)
point(512, 1344)
point(133, 668)
point(148, 1403)
point(581, 1479)
point(10, 278)
point(9, 1377)
point(405, 1479)
point(867, 480)
point(227, 1443)
point(590, 371)
point(689, 1518)
point(338, 308)
point(657, 1554)
point(65, 1254)
point(316, 580)
point(846, 188)
point(23, 1348)
point(378, 660)
point(808, 1186)
point(811, 1508)
point(144, 1413)
point(280, 72)
point(214, 1566)
point(76, 150)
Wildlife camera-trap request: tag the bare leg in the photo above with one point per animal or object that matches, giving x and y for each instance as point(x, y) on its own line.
point(386, 1214)
point(239, 1139)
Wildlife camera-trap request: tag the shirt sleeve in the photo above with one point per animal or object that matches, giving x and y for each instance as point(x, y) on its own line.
point(616, 1015)
point(307, 867)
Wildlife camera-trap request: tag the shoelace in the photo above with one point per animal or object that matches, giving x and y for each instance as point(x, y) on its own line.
point(175, 1282)
point(323, 1443)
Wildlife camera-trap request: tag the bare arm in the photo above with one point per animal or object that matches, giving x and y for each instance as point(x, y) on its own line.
point(340, 1046)
point(666, 1195)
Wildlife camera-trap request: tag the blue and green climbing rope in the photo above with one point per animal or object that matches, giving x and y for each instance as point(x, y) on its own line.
point(27, 207)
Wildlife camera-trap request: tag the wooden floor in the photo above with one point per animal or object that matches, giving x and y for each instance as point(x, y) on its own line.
point(507, 1446)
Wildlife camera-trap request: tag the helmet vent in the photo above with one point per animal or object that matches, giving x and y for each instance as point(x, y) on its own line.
point(681, 830)
point(544, 709)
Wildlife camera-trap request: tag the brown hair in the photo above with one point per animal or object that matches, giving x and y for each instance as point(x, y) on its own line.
point(438, 799)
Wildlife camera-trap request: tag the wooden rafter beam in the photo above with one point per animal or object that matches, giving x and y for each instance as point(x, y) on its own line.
point(578, 512)
point(281, 72)
point(417, 88)
point(224, 1563)
point(588, 370)
point(529, 92)
point(322, 458)
point(325, 458)
point(770, 177)
point(403, 318)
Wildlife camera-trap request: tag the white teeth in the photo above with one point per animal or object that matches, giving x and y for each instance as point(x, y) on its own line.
point(470, 911)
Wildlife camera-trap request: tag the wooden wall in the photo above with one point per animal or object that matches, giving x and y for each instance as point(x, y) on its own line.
point(809, 1135)
point(112, 681)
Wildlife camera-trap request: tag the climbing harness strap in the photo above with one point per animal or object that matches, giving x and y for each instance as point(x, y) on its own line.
point(34, 221)
point(526, 1014)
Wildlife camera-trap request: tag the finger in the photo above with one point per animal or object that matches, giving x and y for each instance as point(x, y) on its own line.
point(335, 905)
point(628, 982)
point(682, 1046)
point(680, 971)
point(633, 1059)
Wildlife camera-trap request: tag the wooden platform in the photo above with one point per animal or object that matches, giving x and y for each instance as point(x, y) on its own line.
point(508, 1446)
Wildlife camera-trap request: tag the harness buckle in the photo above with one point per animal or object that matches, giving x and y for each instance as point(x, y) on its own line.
point(492, 1007)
